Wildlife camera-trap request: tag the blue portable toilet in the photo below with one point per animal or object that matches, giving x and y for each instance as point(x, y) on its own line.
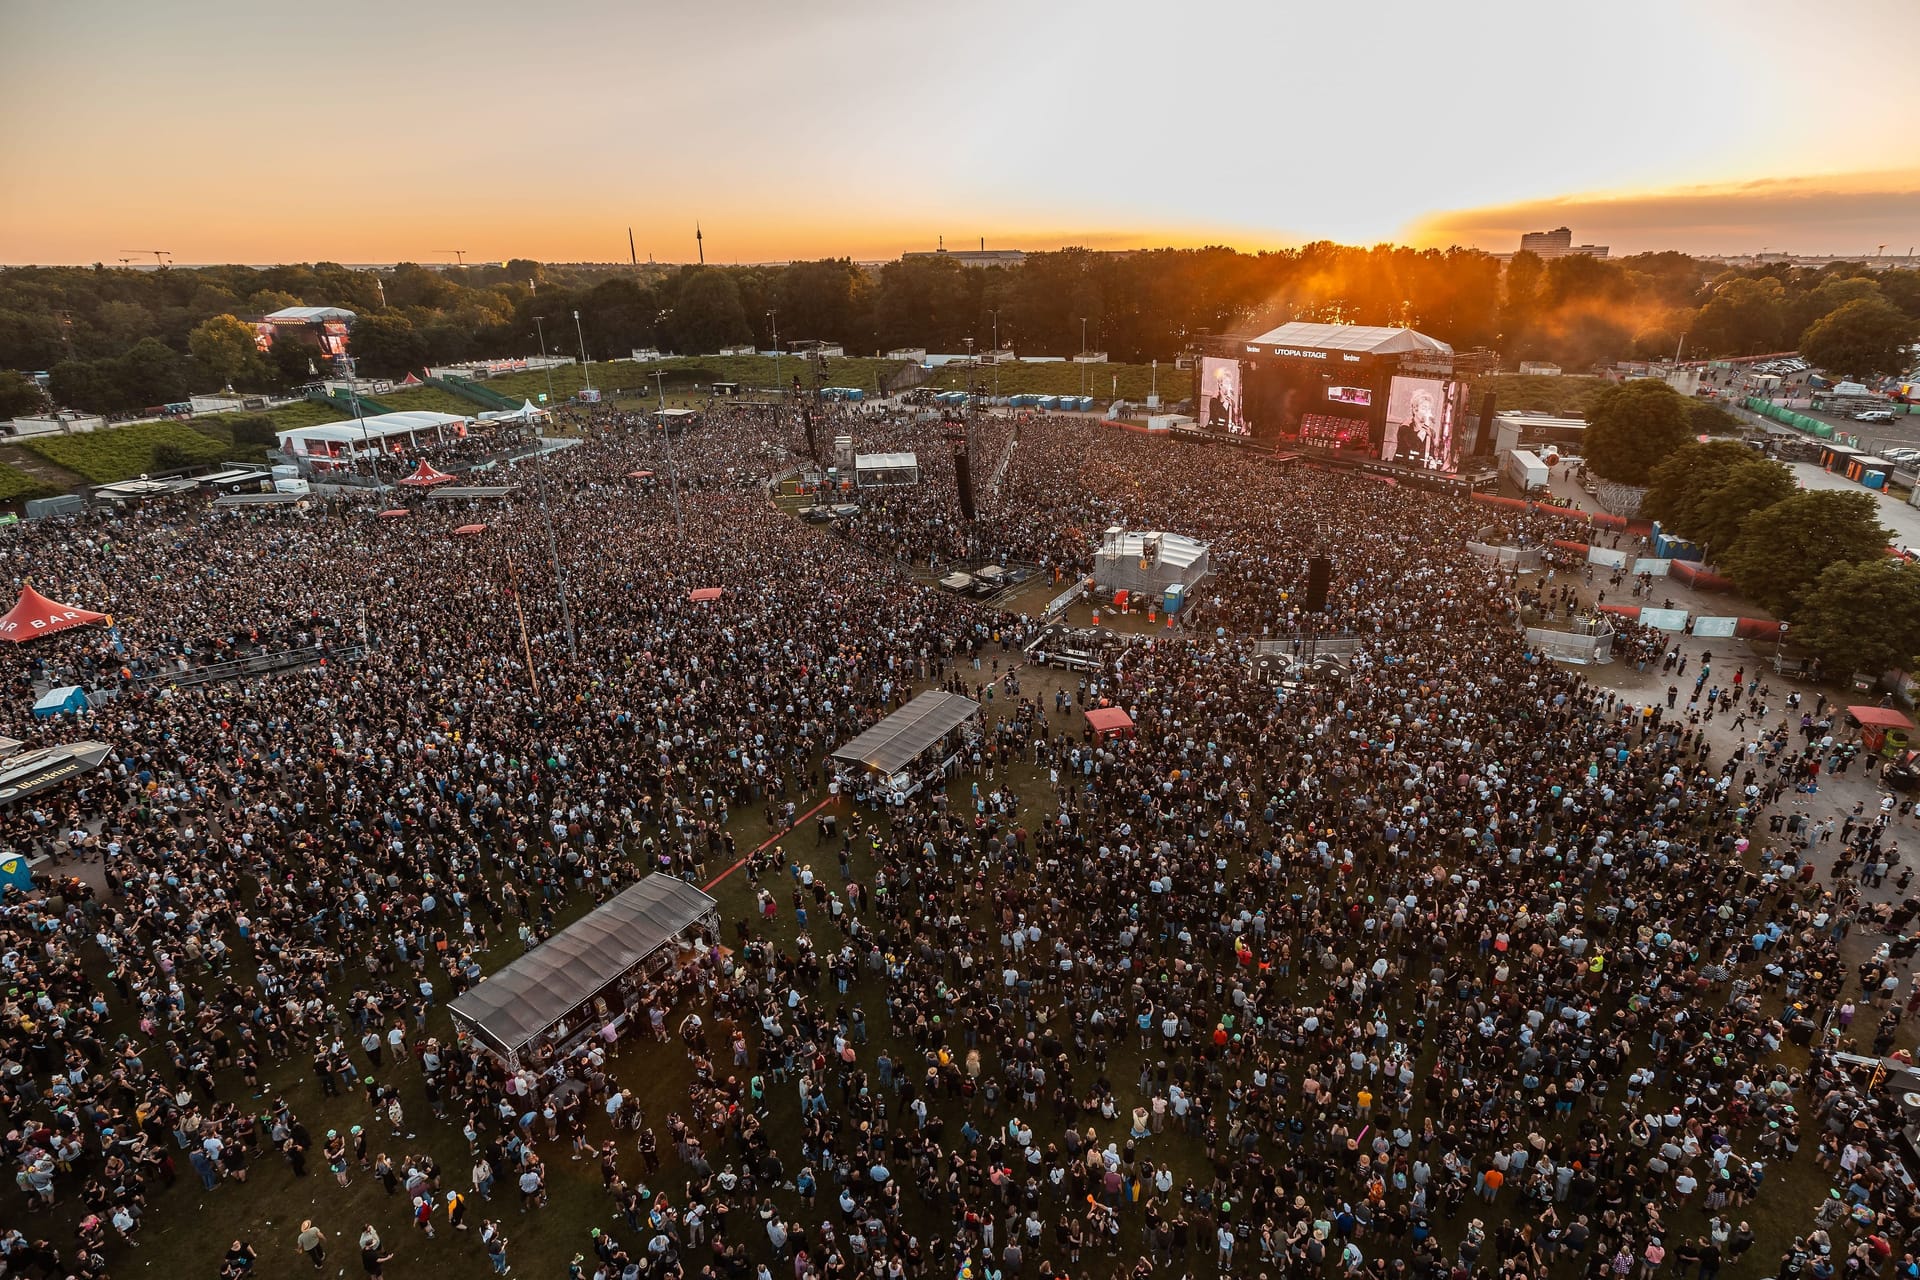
point(1086, 404)
point(1174, 597)
point(66, 700)
point(1874, 479)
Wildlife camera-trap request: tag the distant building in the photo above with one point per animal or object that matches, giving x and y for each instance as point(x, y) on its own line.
point(982, 257)
point(1558, 243)
point(1540, 368)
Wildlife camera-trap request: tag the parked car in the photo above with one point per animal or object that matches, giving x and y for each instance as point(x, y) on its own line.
point(1903, 773)
point(1874, 415)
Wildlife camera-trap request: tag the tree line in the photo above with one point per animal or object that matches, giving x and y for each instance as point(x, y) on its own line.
point(1818, 558)
point(120, 339)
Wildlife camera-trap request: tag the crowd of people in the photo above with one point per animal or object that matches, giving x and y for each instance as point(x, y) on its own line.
point(1460, 965)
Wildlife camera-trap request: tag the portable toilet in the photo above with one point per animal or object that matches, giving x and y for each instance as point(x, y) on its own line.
point(1174, 596)
point(66, 700)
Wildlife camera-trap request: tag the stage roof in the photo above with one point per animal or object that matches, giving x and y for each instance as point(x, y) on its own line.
point(515, 1005)
point(892, 745)
point(884, 461)
point(1360, 339)
point(306, 315)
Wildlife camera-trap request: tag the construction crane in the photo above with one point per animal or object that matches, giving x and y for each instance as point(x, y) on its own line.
point(459, 255)
point(159, 255)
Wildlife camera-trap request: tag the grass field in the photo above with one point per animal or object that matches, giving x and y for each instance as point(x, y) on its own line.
point(123, 452)
point(16, 485)
point(1562, 397)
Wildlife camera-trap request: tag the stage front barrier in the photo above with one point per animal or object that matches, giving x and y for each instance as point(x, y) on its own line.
point(1716, 627)
point(1296, 646)
point(1588, 647)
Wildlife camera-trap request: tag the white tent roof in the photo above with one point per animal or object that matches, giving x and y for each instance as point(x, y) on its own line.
point(1176, 549)
point(376, 427)
point(1361, 339)
point(884, 461)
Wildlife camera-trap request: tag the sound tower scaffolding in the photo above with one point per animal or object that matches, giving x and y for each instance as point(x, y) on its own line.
point(817, 363)
point(957, 430)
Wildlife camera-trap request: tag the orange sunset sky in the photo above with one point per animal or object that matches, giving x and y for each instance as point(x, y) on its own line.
point(361, 132)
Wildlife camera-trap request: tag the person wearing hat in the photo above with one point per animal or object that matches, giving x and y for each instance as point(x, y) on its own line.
point(456, 1210)
point(312, 1241)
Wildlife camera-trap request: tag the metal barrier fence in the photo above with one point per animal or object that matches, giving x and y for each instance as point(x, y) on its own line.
point(1588, 647)
point(258, 664)
point(1521, 558)
point(1296, 646)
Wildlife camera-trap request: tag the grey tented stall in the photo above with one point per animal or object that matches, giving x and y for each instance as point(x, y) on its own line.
point(903, 737)
point(525, 1001)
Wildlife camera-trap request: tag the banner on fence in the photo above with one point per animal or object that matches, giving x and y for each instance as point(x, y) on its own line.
point(1607, 556)
point(1664, 619)
point(1716, 627)
point(1658, 568)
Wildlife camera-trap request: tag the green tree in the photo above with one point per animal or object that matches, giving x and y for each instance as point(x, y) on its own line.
point(1676, 482)
point(84, 384)
point(20, 395)
point(152, 373)
point(224, 345)
point(1743, 317)
point(1783, 550)
point(1862, 615)
point(1721, 511)
point(707, 313)
point(1631, 427)
point(1865, 337)
point(387, 345)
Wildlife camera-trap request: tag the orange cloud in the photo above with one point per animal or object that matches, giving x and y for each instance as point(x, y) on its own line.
point(1837, 213)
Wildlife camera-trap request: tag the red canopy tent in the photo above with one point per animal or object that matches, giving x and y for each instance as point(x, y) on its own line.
point(394, 513)
point(468, 530)
point(425, 477)
point(1110, 722)
point(1881, 727)
point(33, 616)
point(700, 595)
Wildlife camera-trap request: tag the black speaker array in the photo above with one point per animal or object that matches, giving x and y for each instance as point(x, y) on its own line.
point(963, 476)
point(1319, 573)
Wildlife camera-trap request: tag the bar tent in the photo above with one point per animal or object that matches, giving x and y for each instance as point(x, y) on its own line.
point(552, 984)
point(1109, 722)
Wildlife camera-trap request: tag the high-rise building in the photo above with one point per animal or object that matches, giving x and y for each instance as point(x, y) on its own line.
point(1558, 243)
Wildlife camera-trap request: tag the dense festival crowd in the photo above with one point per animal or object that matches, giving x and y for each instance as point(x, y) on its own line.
point(1458, 966)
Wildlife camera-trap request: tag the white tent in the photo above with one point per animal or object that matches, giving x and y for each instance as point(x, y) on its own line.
point(352, 435)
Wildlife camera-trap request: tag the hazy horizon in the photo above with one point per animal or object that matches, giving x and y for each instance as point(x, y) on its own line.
point(231, 133)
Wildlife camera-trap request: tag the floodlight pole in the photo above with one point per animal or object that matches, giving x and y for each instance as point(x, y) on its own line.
point(539, 329)
point(585, 372)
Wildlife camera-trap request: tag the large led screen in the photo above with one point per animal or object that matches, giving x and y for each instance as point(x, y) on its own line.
point(1420, 431)
point(1222, 404)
